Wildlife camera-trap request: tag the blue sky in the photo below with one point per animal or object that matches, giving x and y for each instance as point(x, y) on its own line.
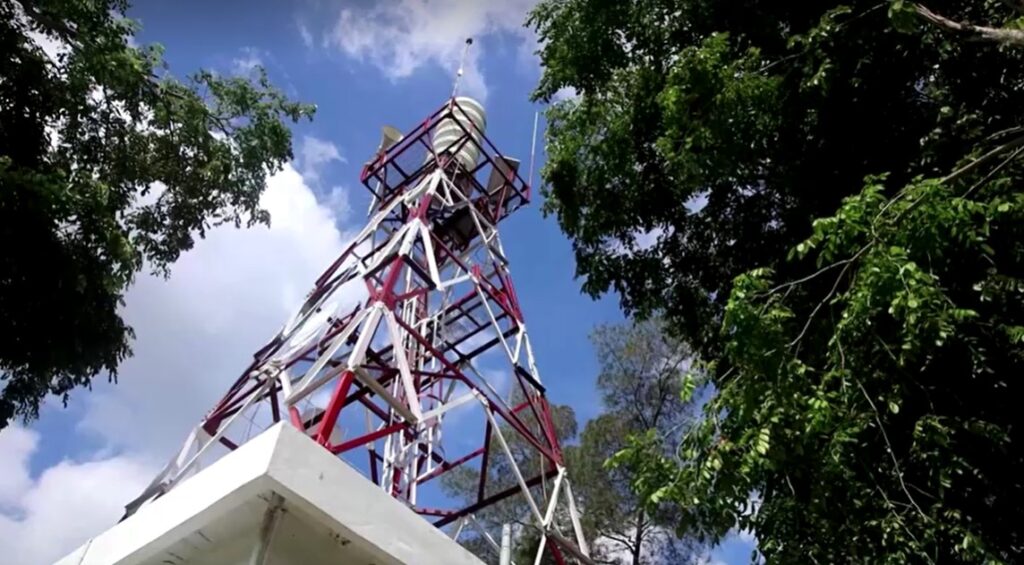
point(364, 64)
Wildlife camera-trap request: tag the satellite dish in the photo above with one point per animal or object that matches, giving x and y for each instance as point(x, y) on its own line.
point(388, 137)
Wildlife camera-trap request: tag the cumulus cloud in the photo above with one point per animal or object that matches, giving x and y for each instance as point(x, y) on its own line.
point(47, 517)
point(314, 154)
point(17, 445)
point(402, 36)
point(195, 333)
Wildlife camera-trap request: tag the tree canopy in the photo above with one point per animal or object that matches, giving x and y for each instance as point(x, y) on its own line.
point(462, 483)
point(109, 164)
point(832, 193)
point(640, 382)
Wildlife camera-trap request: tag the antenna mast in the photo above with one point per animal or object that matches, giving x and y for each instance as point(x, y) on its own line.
point(533, 148)
point(462, 65)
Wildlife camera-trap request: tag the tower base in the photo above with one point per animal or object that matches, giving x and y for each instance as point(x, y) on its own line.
point(279, 499)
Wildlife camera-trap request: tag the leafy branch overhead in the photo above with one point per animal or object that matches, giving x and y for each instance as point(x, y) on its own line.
point(108, 164)
point(835, 192)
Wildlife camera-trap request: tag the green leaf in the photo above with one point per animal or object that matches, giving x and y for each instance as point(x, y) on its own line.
point(763, 441)
point(688, 387)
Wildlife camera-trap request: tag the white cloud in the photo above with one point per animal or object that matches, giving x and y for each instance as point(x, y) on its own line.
point(337, 202)
point(307, 36)
point(564, 93)
point(697, 202)
point(648, 239)
point(249, 60)
point(16, 445)
point(50, 45)
point(640, 241)
point(196, 330)
point(314, 153)
point(195, 333)
point(754, 502)
point(47, 517)
point(402, 36)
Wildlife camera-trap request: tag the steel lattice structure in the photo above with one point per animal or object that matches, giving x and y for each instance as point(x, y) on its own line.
point(436, 296)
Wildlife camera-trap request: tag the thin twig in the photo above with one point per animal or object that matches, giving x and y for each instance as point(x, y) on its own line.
point(995, 170)
point(1015, 144)
point(899, 519)
point(809, 277)
point(888, 447)
point(1004, 132)
point(838, 27)
point(830, 294)
point(1012, 144)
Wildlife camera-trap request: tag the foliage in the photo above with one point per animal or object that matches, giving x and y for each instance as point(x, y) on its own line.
point(641, 382)
point(864, 402)
point(107, 164)
point(462, 482)
point(718, 129)
point(891, 396)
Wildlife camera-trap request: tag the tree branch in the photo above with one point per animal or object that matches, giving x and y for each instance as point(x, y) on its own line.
point(638, 536)
point(968, 168)
point(830, 294)
point(888, 447)
point(984, 33)
point(614, 536)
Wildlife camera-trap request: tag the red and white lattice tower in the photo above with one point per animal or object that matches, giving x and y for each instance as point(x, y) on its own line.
point(436, 295)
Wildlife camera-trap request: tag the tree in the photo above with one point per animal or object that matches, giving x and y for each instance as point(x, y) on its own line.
point(707, 134)
point(109, 164)
point(641, 379)
point(463, 482)
point(862, 365)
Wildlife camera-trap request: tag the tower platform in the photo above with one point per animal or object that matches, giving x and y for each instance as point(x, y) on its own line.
point(279, 499)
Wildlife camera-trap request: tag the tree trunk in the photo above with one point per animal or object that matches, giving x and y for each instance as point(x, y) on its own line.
point(638, 537)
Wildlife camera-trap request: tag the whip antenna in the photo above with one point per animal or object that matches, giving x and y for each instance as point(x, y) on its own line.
point(533, 148)
point(462, 64)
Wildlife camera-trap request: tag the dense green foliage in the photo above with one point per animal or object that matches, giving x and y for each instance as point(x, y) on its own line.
point(107, 164)
point(864, 364)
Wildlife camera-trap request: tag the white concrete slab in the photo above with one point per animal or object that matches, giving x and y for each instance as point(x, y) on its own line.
point(331, 514)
